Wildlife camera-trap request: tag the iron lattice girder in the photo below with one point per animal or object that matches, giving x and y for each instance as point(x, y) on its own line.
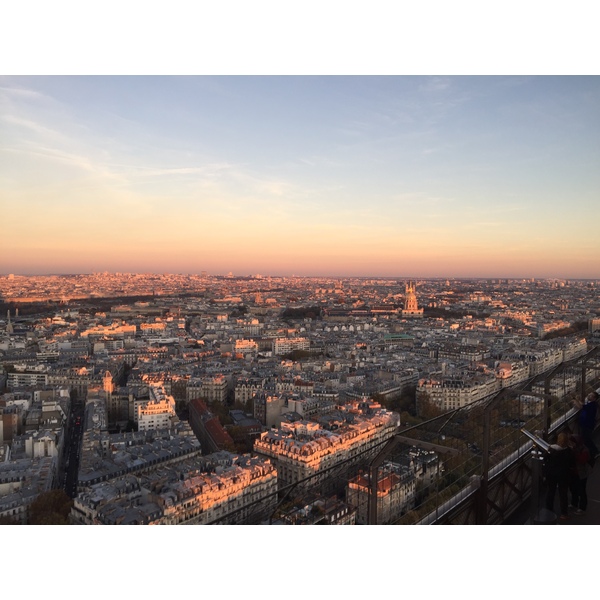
point(385, 452)
point(505, 495)
point(401, 439)
point(517, 479)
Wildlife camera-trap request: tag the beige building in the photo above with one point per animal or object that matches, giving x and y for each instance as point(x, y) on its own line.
point(268, 409)
point(288, 345)
point(228, 496)
point(246, 389)
point(243, 490)
point(395, 494)
point(303, 449)
point(449, 393)
point(245, 346)
point(211, 389)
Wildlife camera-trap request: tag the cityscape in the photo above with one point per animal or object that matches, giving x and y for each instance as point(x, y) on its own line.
point(295, 300)
point(257, 399)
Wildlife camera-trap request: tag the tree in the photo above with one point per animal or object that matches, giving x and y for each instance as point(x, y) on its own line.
point(577, 327)
point(404, 402)
point(407, 419)
point(221, 412)
point(425, 408)
point(247, 407)
point(310, 312)
point(297, 355)
point(8, 521)
point(50, 508)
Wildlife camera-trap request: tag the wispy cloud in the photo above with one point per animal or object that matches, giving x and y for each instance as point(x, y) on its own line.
point(435, 84)
point(22, 92)
point(32, 126)
point(208, 170)
point(67, 158)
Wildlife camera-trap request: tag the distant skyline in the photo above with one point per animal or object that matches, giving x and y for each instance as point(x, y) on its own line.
point(334, 176)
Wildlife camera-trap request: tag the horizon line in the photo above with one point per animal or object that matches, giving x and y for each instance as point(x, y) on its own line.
point(280, 276)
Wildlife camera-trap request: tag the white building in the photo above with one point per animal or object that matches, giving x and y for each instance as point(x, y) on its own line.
point(288, 345)
point(456, 392)
point(158, 412)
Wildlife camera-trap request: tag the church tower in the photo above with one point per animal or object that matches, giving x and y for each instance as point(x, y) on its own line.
point(411, 306)
point(107, 382)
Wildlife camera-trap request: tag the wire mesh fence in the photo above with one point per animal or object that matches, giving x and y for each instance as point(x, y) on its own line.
point(429, 468)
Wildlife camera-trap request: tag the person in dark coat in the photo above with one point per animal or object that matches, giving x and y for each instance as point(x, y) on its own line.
point(579, 474)
point(559, 464)
point(588, 412)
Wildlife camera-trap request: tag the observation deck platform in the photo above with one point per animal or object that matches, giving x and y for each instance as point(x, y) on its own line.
point(591, 515)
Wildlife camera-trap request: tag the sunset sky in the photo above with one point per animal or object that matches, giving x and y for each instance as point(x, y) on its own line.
point(384, 176)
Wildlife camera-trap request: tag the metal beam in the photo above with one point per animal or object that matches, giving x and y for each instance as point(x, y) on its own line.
point(427, 445)
point(385, 452)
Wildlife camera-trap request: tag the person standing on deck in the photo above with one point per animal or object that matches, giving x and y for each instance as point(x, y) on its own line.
point(588, 413)
point(559, 464)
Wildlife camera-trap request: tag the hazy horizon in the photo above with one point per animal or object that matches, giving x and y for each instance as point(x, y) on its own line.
point(296, 275)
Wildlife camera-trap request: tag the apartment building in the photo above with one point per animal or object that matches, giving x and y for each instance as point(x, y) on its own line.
point(396, 488)
point(288, 345)
point(304, 449)
point(449, 393)
point(268, 409)
point(27, 379)
point(228, 496)
point(158, 412)
point(243, 490)
point(247, 388)
point(211, 389)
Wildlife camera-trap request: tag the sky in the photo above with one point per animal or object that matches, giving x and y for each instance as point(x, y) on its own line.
point(395, 176)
